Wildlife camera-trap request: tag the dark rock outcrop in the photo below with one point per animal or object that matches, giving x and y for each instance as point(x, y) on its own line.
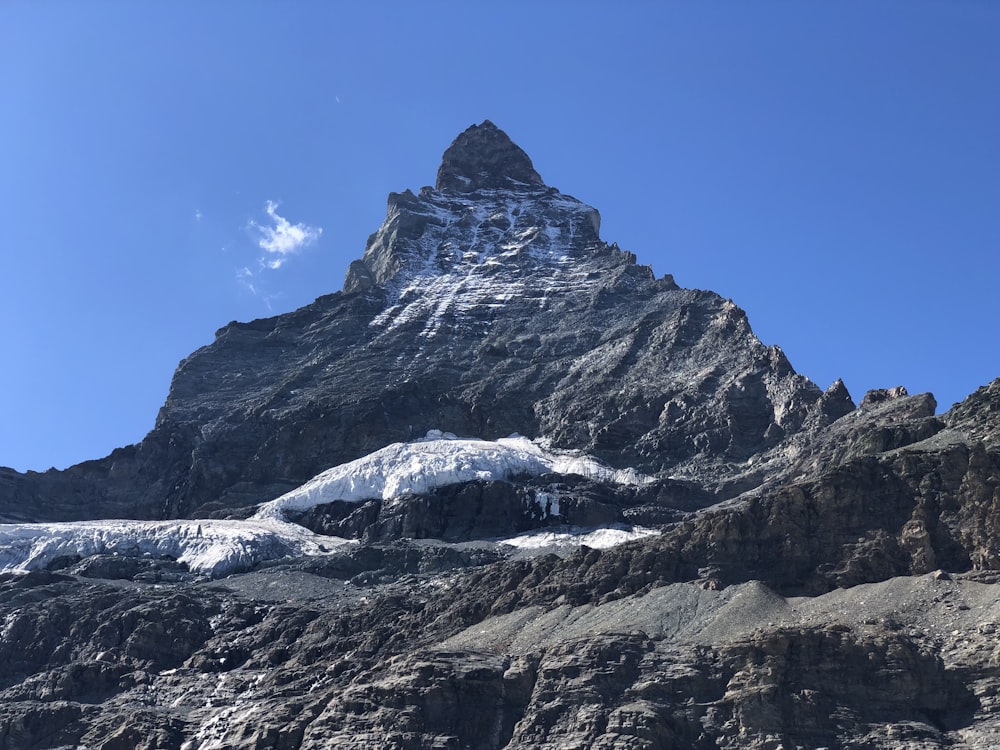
point(488, 509)
point(484, 157)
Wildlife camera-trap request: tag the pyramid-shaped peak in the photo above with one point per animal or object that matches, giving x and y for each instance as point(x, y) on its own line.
point(484, 156)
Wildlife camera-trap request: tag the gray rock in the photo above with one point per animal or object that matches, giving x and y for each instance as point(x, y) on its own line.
point(484, 157)
point(878, 395)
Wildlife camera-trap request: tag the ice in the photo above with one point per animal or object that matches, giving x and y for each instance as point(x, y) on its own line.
point(209, 547)
point(601, 538)
point(218, 547)
point(548, 502)
point(438, 460)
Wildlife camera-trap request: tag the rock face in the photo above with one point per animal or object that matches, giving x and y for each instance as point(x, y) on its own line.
point(484, 157)
point(803, 573)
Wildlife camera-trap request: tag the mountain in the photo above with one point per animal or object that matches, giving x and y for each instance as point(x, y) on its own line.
point(508, 489)
point(485, 306)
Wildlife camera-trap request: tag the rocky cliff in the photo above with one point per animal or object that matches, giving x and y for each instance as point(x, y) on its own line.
point(334, 542)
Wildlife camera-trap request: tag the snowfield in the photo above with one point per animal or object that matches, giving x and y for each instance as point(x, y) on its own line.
point(210, 547)
point(217, 547)
point(603, 538)
point(438, 460)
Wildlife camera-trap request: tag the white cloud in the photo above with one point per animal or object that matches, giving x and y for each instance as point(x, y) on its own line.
point(198, 215)
point(282, 239)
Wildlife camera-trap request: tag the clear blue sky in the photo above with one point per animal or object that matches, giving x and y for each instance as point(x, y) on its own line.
point(834, 168)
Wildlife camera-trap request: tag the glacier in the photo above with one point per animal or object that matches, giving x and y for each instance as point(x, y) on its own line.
point(210, 547)
point(219, 547)
point(437, 460)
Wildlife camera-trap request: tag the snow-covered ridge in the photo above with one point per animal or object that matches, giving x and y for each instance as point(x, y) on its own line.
point(218, 547)
point(438, 460)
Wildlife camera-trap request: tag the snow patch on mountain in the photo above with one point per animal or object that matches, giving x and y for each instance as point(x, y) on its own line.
point(210, 547)
point(601, 538)
point(218, 547)
point(438, 460)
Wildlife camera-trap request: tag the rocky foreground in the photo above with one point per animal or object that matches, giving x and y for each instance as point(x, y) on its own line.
point(802, 572)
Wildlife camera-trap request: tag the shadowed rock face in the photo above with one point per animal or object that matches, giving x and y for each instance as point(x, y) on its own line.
point(822, 576)
point(484, 157)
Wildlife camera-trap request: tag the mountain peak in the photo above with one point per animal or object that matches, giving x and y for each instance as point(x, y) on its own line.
point(483, 156)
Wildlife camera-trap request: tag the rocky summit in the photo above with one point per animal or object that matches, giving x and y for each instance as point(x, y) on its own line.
point(509, 489)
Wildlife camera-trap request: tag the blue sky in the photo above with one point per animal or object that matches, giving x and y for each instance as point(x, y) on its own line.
point(166, 167)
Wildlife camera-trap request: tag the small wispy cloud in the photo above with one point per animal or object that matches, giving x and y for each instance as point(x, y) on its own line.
point(281, 239)
point(256, 285)
point(245, 278)
point(198, 215)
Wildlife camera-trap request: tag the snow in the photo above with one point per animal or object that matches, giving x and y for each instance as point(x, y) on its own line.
point(466, 260)
point(570, 536)
point(209, 546)
point(438, 460)
point(218, 547)
point(548, 502)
